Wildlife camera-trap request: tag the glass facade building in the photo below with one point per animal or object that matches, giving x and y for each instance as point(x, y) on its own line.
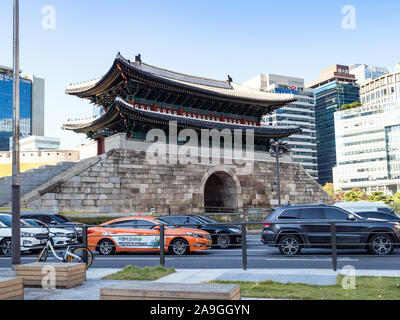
point(363, 72)
point(30, 102)
point(335, 88)
point(300, 113)
point(368, 139)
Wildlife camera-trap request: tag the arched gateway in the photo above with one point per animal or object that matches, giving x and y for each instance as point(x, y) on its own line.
point(221, 190)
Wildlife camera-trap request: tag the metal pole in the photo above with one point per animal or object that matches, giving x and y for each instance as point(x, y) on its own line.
point(333, 242)
point(85, 243)
point(16, 185)
point(162, 246)
point(278, 174)
point(244, 246)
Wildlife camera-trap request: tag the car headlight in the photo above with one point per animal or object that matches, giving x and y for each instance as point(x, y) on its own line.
point(194, 235)
point(27, 234)
point(234, 230)
point(57, 234)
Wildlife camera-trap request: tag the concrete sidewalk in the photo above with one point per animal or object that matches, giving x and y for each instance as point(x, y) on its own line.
point(90, 289)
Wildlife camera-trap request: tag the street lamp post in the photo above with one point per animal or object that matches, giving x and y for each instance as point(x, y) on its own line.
point(277, 149)
point(16, 184)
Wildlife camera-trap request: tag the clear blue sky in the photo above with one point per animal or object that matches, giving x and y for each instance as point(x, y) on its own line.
point(201, 37)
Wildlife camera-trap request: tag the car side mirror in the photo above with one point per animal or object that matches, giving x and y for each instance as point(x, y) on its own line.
point(351, 217)
point(156, 227)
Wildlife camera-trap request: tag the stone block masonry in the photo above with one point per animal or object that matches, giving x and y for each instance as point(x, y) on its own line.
point(123, 181)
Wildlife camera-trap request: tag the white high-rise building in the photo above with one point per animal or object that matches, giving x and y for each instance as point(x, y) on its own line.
point(368, 139)
point(363, 72)
point(299, 113)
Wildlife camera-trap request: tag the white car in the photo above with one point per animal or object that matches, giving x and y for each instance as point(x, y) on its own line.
point(59, 236)
point(364, 206)
point(31, 238)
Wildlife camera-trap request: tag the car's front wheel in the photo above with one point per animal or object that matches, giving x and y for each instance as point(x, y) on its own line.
point(381, 244)
point(5, 247)
point(289, 245)
point(223, 241)
point(106, 247)
point(179, 247)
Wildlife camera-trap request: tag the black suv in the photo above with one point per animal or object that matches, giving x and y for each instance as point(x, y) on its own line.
point(53, 219)
point(291, 228)
point(222, 236)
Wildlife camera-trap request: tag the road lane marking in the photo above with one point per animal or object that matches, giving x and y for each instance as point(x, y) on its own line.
point(310, 259)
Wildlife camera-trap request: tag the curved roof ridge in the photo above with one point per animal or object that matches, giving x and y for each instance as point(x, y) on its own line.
point(203, 86)
point(166, 73)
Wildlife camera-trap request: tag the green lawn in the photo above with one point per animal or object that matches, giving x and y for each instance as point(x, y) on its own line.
point(367, 288)
point(136, 273)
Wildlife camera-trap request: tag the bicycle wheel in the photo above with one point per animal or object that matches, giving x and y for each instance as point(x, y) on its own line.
point(80, 252)
point(42, 257)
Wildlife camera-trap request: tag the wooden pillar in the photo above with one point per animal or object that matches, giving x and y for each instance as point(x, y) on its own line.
point(100, 146)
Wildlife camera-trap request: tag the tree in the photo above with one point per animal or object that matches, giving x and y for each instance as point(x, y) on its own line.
point(328, 187)
point(352, 105)
point(379, 196)
point(338, 195)
point(396, 198)
point(355, 194)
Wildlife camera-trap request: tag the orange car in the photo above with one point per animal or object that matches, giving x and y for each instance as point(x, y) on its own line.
point(140, 234)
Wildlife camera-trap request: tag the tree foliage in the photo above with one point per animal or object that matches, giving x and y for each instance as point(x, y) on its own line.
point(328, 187)
point(379, 196)
point(396, 198)
point(355, 194)
point(352, 105)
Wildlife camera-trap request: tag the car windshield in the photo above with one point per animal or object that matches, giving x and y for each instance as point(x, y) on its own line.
point(25, 223)
point(61, 218)
point(6, 220)
point(161, 221)
point(207, 219)
point(35, 223)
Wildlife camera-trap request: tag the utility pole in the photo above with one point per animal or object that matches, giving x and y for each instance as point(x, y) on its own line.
point(277, 149)
point(16, 183)
point(278, 178)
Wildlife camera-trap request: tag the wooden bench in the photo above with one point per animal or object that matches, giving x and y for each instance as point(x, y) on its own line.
point(148, 290)
point(11, 288)
point(67, 275)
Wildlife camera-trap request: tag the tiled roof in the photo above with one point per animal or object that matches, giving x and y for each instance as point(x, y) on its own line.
point(120, 105)
point(222, 88)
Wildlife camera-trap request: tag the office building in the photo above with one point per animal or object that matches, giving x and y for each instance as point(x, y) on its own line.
point(299, 113)
point(363, 72)
point(31, 106)
point(368, 139)
point(334, 88)
point(38, 143)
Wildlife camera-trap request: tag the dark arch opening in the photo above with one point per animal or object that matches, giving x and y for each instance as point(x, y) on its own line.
point(220, 193)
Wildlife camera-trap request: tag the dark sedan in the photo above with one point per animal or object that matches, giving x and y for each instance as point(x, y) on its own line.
point(222, 236)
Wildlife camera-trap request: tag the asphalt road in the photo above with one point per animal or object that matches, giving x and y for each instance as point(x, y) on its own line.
point(259, 256)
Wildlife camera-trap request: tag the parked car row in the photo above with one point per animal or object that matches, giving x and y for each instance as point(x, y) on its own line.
point(183, 234)
point(34, 235)
point(288, 228)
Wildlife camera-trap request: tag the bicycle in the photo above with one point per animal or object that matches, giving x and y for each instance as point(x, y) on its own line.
point(77, 255)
